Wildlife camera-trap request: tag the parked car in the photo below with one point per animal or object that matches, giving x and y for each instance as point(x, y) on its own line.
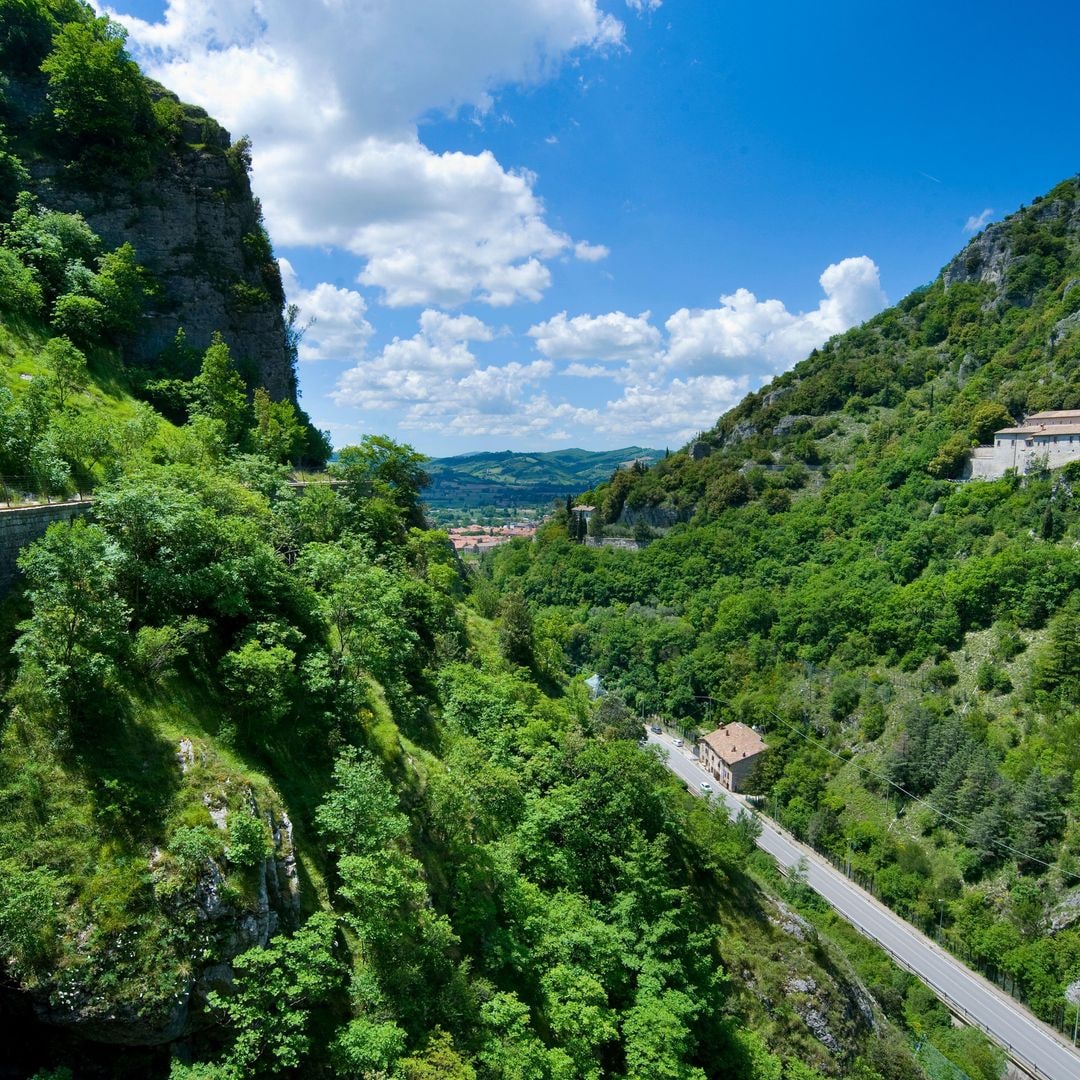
point(706, 787)
point(678, 742)
point(654, 728)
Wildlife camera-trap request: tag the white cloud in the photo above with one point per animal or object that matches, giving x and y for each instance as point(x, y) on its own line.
point(664, 392)
point(336, 326)
point(762, 335)
point(414, 371)
point(976, 221)
point(615, 336)
point(587, 252)
point(438, 385)
point(644, 6)
point(675, 410)
point(443, 328)
point(589, 371)
point(331, 94)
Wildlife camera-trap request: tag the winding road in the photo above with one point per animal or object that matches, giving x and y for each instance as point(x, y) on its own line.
point(1032, 1045)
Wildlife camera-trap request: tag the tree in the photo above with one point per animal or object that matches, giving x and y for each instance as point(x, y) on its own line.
point(274, 990)
point(516, 631)
point(381, 471)
point(98, 96)
point(119, 285)
point(360, 812)
point(77, 624)
point(83, 439)
point(49, 242)
point(278, 433)
point(366, 1047)
point(438, 1061)
point(26, 31)
point(615, 720)
point(261, 677)
point(950, 457)
point(20, 293)
point(79, 317)
point(1057, 667)
point(218, 392)
point(986, 418)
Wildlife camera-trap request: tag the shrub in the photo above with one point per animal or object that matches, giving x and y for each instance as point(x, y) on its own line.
point(248, 843)
point(81, 318)
point(19, 291)
point(192, 846)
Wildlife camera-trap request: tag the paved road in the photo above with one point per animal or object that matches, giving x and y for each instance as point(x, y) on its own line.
point(1029, 1042)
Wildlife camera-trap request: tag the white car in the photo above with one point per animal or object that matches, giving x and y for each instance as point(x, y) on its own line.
point(706, 787)
point(678, 742)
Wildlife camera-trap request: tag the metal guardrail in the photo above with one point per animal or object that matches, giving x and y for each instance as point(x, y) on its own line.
point(1015, 1056)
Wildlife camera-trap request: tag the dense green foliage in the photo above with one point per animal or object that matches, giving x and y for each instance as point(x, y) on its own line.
point(512, 888)
point(906, 641)
point(287, 792)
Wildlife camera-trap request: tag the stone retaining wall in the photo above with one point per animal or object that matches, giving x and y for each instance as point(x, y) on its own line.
point(22, 525)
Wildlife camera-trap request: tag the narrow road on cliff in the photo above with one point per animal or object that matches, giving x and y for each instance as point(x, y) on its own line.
point(1030, 1043)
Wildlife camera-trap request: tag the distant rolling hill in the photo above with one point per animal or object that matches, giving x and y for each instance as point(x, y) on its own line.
point(509, 478)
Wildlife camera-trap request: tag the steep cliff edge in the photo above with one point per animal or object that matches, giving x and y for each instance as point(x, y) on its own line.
point(91, 134)
point(196, 227)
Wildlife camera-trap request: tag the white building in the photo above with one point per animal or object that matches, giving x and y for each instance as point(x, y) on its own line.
point(1045, 440)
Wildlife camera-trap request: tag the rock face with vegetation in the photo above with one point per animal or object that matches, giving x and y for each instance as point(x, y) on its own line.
point(197, 230)
point(98, 139)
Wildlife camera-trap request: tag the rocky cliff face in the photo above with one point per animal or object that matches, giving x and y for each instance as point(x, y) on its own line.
point(217, 908)
point(1006, 255)
point(197, 228)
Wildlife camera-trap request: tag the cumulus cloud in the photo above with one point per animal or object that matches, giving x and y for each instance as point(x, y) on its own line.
point(589, 371)
point(331, 94)
point(666, 388)
point(614, 336)
point(762, 335)
point(417, 372)
point(710, 359)
point(674, 410)
point(587, 252)
point(334, 317)
point(976, 221)
point(435, 382)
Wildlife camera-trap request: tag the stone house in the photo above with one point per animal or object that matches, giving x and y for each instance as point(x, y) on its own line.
point(1045, 440)
point(730, 752)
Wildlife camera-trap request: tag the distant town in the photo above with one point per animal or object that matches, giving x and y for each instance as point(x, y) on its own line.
point(477, 539)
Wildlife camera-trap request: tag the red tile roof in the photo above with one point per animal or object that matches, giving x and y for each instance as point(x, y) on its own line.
point(733, 742)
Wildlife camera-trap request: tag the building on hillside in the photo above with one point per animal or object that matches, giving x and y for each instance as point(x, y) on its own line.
point(1045, 440)
point(578, 525)
point(595, 685)
point(730, 752)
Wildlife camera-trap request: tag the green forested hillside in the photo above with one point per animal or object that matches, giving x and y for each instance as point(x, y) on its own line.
point(510, 479)
point(277, 800)
point(552, 468)
point(907, 642)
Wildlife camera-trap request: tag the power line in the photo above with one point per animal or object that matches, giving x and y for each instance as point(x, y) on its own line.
point(1001, 844)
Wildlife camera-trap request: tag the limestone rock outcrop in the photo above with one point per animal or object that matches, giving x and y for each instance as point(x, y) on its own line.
point(197, 228)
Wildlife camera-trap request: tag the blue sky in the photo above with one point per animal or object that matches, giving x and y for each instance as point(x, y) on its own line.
point(540, 223)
